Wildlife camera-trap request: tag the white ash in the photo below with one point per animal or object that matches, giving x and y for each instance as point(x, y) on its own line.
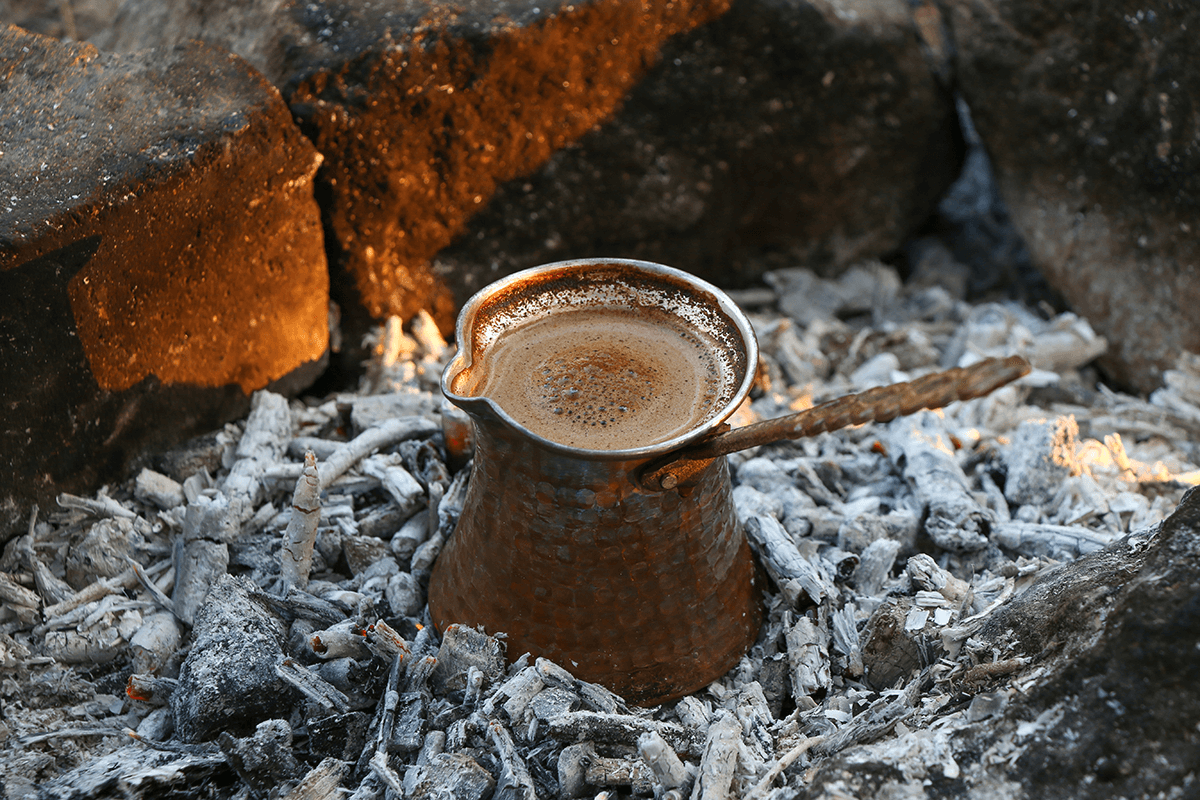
point(887, 549)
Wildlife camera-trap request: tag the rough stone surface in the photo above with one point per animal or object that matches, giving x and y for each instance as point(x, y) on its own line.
point(160, 255)
point(1090, 115)
point(1111, 687)
point(464, 143)
point(214, 697)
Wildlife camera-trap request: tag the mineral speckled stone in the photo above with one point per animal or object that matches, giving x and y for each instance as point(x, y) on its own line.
point(160, 255)
point(1089, 114)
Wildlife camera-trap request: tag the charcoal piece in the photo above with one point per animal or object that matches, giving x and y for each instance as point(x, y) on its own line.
point(669, 772)
point(774, 680)
point(593, 695)
point(162, 491)
point(156, 642)
point(265, 759)
point(313, 686)
point(404, 595)
point(161, 772)
point(921, 446)
point(515, 694)
point(229, 682)
point(157, 726)
point(340, 736)
point(623, 729)
point(1057, 542)
point(552, 701)
point(408, 731)
point(198, 455)
point(360, 681)
point(1040, 457)
point(411, 535)
point(515, 781)
point(784, 562)
point(363, 551)
point(875, 566)
point(395, 479)
point(102, 552)
point(449, 776)
point(383, 522)
point(719, 763)
point(890, 652)
point(373, 409)
point(572, 769)
point(808, 658)
point(629, 772)
point(462, 648)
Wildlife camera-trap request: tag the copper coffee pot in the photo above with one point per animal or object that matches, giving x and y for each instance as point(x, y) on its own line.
point(627, 567)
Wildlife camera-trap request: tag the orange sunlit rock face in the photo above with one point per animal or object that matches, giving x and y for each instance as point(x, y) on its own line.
point(419, 138)
point(182, 171)
point(229, 287)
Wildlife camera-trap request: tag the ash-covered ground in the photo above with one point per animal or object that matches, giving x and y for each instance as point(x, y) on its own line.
point(149, 648)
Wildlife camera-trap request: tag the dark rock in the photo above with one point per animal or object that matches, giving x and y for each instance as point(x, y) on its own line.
point(160, 256)
point(1132, 693)
point(461, 145)
point(228, 682)
point(1089, 114)
point(1109, 688)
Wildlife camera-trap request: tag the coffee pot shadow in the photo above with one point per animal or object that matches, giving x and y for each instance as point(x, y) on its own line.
point(626, 566)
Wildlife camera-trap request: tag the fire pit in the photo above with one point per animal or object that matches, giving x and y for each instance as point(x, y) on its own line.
point(919, 581)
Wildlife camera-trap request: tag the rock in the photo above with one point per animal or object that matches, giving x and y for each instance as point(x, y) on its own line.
point(1122, 638)
point(159, 230)
point(1104, 699)
point(817, 131)
point(228, 682)
point(461, 145)
point(1089, 117)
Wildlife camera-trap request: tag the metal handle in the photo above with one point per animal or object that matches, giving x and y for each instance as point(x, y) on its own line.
point(881, 404)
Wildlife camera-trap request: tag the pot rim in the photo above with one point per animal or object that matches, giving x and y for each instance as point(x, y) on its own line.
point(462, 359)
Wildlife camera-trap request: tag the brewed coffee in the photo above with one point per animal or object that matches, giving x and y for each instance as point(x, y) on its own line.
point(606, 378)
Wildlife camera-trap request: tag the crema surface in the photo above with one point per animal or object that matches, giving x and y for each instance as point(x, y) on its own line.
point(604, 379)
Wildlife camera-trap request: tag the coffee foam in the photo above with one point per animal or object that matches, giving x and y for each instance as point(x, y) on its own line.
point(605, 378)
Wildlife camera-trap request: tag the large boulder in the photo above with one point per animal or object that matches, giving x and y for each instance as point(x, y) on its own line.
point(1089, 113)
point(161, 255)
point(463, 143)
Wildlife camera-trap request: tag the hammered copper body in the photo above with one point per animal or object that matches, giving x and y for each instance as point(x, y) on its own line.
point(650, 593)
